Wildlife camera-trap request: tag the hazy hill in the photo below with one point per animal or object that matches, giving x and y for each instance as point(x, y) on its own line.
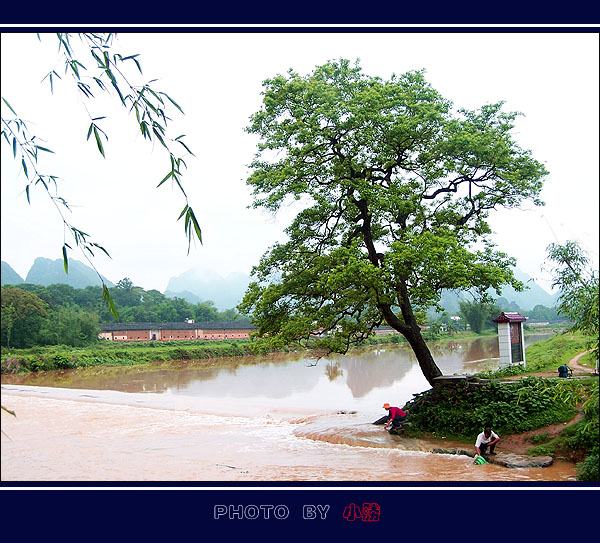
point(49, 272)
point(526, 300)
point(10, 276)
point(197, 285)
point(188, 296)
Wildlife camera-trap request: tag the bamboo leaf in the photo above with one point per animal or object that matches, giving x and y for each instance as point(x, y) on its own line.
point(102, 249)
point(107, 298)
point(73, 65)
point(156, 95)
point(9, 106)
point(98, 59)
point(196, 225)
point(85, 89)
point(99, 142)
point(65, 258)
point(186, 148)
point(183, 212)
point(44, 149)
point(100, 83)
point(173, 102)
point(113, 81)
point(24, 167)
point(8, 411)
point(164, 179)
point(159, 137)
point(40, 179)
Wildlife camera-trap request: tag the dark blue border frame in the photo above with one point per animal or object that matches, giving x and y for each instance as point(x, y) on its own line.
point(510, 12)
point(430, 510)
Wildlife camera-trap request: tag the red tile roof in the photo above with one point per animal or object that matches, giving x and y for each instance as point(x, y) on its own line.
point(510, 317)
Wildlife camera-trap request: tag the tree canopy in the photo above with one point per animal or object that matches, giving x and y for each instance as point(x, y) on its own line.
point(395, 188)
point(60, 314)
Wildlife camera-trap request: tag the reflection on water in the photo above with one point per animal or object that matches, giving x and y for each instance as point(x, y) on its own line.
point(362, 379)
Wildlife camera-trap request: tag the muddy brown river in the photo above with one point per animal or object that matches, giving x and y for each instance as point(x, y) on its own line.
point(273, 418)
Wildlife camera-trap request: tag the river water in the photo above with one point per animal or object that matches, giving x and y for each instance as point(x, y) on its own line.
point(273, 418)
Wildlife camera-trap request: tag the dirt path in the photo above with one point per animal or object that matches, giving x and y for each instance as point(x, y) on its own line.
point(520, 443)
point(573, 364)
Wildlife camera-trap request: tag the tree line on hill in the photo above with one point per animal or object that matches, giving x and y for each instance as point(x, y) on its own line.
point(62, 315)
point(480, 316)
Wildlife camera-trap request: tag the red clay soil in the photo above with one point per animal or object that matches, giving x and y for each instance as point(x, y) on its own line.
point(520, 443)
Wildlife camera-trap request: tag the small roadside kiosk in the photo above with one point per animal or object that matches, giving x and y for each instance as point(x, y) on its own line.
point(510, 339)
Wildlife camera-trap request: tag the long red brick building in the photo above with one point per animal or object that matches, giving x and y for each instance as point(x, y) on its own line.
point(172, 331)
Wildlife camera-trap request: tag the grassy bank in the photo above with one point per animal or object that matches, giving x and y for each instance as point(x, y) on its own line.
point(545, 355)
point(105, 353)
point(116, 354)
point(460, 412)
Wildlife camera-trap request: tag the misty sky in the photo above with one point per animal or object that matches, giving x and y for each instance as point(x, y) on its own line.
point(217, 78)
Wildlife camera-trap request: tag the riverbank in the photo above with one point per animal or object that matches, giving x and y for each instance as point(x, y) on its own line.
point(203, 353)
point(536, 414)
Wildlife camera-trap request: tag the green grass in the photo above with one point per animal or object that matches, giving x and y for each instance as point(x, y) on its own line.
point(548, 354)
point(545, 355)
point(117, 354)
point(588, 360)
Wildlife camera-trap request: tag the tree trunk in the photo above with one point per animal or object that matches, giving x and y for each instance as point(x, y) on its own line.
point(409, 328)
point(426, 362)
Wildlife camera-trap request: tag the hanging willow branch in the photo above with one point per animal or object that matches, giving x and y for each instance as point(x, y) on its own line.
point(103, 71)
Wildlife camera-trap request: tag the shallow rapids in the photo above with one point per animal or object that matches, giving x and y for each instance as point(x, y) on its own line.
point(97, 435)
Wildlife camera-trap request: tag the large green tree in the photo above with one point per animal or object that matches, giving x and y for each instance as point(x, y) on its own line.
point(22, 316)
point(579, 288)
point(395, 189)
point(69, 325)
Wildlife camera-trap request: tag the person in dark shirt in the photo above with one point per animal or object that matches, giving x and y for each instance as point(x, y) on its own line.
point(396, 417)
point(564, 371)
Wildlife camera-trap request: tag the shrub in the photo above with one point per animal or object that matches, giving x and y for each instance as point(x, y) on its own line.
point(510, 407)
point(588, 469)
point(540, 438)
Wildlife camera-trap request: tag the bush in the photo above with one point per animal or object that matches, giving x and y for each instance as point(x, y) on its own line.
point(588, 469)
point(510, 407)
point(539, 439)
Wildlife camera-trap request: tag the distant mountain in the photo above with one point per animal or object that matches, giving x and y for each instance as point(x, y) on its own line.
point(49, 272)
point(10, 276)
point(526, 300)
point(197, 285)
point(532, 296)
point(188, 296)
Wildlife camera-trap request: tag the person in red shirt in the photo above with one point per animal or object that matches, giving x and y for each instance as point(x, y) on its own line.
point(396, 417)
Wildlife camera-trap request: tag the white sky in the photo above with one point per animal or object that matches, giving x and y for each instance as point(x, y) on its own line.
point(552, 77)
